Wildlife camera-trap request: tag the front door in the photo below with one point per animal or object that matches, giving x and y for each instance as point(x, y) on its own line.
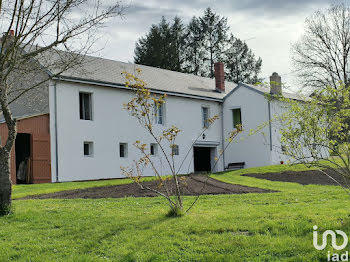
point(202, 161)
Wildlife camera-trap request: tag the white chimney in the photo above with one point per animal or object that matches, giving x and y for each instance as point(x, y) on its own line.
point(275, 84)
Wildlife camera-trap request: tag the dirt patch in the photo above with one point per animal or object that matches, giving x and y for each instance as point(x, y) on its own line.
point(304, 177)
point(190, 185)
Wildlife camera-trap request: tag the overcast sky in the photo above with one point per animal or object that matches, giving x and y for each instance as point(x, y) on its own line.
point(268, 26)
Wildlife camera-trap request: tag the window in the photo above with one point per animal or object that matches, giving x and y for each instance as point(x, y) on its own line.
point(85, 106)
point(123, 150)
point(205, 117)
point(237, 117)
point(159, 114)
point(175, 150)
point(154, 149)
point(88, 148)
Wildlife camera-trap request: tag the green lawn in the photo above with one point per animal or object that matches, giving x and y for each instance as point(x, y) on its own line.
point(251, 227)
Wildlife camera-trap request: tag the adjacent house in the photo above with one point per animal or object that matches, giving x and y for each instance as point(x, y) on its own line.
point(78, 130)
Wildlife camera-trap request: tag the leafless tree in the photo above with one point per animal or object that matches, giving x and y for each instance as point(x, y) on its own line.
point(322, 55)
point(40, 35)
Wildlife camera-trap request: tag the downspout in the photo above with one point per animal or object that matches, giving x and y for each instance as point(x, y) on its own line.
point(270, 128)
point(222, 134)
point(56, 136)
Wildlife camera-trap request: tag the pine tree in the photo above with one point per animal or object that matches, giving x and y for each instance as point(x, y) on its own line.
point(241, 64)
point(214, 32)
point(194, 48)
point(162, 46)
point(177, 44)
point(149, 49)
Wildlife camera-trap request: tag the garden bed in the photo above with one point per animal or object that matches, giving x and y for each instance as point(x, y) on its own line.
point(304, 177)
point(190, 185)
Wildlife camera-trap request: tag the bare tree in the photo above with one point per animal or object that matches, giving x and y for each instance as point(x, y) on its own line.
point(321, 57)
point(34, 32)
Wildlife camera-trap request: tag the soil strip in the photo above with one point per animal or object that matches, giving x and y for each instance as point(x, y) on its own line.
point(190, 185)
point(304, 177)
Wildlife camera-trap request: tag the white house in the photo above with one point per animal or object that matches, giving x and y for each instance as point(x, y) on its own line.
point(91, 136)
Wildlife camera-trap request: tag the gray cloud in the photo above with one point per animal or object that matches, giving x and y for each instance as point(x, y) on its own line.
point(141, 12)
point(273, 8)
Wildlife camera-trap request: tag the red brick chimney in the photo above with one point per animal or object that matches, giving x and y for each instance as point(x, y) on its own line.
point(219, 77)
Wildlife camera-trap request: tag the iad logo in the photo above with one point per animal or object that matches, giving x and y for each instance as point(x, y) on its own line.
point(335, 256)
point(333, 238)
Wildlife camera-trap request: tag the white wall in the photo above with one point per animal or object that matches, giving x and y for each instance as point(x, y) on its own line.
point(112, 125)
point(52, 130)
point(277, 109)
point(253, 150)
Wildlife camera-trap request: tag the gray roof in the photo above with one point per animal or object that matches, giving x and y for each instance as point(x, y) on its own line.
point(106, 71)
point(35, 100)
point(30, 105)
point(100, 70)
point(263, 90)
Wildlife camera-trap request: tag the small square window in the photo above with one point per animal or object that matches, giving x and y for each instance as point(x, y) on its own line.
point(154, 149)
point(123, 150)
point(85, 106)
point(237, 117)
point(175, 150)
point(88, 148)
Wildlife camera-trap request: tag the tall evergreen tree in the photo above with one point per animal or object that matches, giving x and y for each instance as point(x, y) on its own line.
point(214, 32)
point(241, 64)
point(177, 44)
point(149, 49)
point(162, 46)
point(194, 48)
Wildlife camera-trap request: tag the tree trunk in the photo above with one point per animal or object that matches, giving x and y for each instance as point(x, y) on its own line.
point(5, 155)
point(5, 183)
point(5, 151)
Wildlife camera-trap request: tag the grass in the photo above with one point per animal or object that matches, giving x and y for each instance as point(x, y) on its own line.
point(269, 169)
point(250, 227)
